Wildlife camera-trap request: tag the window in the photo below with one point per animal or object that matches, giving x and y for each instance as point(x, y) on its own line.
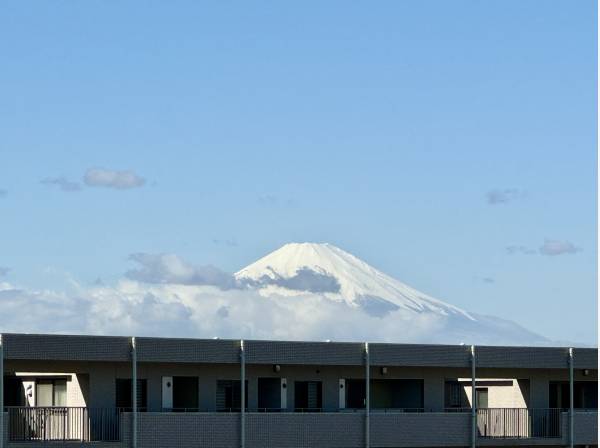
point(51, 393)
point(123, 394)
point(455, 396)
point(585, 394)
point(308, 395)
point(481, 395)
point(229, 395)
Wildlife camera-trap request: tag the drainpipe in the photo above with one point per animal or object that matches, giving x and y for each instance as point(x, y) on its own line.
point(368, 397)
point(571, 400)
point(473, 400)
point(1, 393)
point(134, 393)
point(243, 395)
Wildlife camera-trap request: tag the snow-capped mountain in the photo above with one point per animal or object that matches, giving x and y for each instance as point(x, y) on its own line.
point(330, 270)
point(298, 269)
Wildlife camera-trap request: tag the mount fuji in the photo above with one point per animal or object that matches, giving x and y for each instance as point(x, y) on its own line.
point(301, 269)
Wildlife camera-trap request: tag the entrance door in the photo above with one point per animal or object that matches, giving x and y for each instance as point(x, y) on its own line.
point(308, 396)
point(355, 393)
point(269, 394)
point(185, 394)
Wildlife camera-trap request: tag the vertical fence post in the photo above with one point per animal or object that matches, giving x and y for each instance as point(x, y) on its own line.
point(473, 400)
point(571, 400)
point(367, 397)
point(243, 395)
point(133, 393)
point(1, 394)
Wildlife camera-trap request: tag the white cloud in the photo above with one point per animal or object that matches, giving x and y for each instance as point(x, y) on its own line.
point(556, 247)
point(120, 180)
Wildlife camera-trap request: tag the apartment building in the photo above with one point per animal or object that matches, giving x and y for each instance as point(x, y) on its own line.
point(156, 392)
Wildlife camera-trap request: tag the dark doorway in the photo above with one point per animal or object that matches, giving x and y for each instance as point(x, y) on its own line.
point(355, 394)
point(185, 393)
point(397, 394)
point(308, 396)
point(229, 395)
point(269, 394)
point(123, 394)
point(455, 397)
point(14, 394)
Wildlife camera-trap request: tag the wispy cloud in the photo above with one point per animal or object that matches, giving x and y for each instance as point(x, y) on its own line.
point(231, 242)
point(4, 270)
point(549, 248)
point(62, 183)
point(487, 280)
point(514, 249)
point(503, 196)
point(120, 180)
point(556, 247)
point(271, 200)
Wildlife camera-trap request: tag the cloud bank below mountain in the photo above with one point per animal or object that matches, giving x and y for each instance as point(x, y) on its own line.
point(135, 308)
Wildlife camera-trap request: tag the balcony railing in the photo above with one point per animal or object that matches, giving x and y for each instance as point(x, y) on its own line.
point(519, 423)
point(63, 424)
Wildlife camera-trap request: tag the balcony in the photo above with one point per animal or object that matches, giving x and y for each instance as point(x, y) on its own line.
point(73, 424)
point(519, 423)
point(392, 427)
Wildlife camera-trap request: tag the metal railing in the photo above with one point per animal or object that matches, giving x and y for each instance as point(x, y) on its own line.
point(518, 423)
point(457, 409)
point(397, 410)
point(63, 423)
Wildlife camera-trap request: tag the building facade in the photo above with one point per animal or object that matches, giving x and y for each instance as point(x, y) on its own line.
point(155, 392)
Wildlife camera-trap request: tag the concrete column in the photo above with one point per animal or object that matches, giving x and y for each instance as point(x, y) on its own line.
point(1, 394)
point(571, 400)
point(473, 400)
point(367, 397)
point(133, 394)
point(243, 395)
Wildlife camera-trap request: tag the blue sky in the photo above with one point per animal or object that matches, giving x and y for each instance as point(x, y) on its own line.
point(379, 127)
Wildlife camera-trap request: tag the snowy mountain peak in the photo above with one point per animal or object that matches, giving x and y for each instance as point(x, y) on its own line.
point(327, 269)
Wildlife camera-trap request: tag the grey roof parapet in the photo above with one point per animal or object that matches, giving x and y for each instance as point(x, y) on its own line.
point(226, 351)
